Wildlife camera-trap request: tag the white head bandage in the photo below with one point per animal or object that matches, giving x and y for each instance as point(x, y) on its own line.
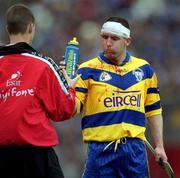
point(115, 28)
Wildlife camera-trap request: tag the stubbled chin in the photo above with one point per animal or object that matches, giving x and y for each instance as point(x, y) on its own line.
point(110, 56)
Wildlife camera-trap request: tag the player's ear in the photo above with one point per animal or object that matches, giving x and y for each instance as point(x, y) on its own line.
point(128, 41)
point(30, 28)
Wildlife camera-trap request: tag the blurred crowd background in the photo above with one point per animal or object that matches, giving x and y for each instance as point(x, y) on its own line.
point(155, 29)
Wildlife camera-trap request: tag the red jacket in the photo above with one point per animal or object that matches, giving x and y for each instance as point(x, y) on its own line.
point(32, 93)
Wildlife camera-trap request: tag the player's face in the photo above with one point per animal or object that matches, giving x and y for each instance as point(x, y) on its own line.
point(114, 47)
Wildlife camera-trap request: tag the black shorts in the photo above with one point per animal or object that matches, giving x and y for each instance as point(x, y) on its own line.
point(29, 162)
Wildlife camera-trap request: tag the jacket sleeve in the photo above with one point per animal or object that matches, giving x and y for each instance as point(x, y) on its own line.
point(57, 98)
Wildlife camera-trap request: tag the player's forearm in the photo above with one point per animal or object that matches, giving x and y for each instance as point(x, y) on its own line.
point(156, 128)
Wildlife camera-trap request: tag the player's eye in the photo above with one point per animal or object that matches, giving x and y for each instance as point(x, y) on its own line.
point(105, 37)
point(115, 38)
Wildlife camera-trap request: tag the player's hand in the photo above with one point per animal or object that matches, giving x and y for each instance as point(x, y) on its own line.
point(160, 155)
point(62, 64)
point(71, 82)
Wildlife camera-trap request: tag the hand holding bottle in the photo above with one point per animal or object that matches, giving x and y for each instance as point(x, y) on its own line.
point(62, 68)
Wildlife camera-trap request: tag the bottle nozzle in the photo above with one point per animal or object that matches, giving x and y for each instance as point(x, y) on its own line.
point(74, 41)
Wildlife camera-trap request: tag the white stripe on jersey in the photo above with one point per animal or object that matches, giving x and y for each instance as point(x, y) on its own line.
point(50, 65)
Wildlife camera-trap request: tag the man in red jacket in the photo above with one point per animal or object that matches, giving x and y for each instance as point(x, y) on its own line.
point(32, 92)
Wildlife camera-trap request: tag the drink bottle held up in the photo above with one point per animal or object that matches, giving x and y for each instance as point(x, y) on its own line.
point(71, 57)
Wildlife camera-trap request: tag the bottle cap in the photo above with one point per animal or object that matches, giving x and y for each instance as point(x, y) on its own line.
point(74, 41)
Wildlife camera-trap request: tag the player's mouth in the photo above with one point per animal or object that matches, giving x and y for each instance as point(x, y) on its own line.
point(110, 53)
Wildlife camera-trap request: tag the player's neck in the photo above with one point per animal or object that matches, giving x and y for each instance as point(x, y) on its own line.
point(19, 38)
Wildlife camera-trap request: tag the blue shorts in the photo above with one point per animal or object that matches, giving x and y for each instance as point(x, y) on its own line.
point(128, 161)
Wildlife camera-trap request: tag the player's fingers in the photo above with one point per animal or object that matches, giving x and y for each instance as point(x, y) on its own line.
point(62, 65)
point(78, 77)
point(74, 81)
point(160, 162)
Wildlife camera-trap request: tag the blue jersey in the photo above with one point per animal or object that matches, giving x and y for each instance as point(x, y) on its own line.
point(115, 100)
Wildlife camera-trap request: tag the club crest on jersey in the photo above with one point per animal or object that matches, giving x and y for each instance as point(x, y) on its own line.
point(139, 74)
point(104, 77)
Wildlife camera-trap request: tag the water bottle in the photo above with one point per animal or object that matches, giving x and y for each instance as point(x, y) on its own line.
point(71, 57)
